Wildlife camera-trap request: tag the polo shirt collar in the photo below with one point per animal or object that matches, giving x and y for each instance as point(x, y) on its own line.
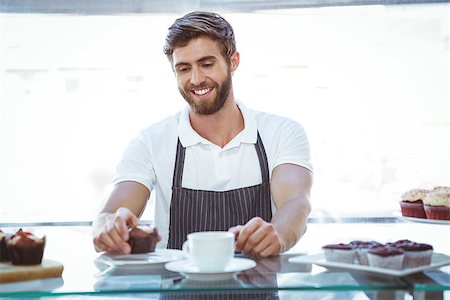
point(189, 137)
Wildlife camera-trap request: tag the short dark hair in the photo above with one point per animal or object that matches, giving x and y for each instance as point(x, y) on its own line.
point(197, 24)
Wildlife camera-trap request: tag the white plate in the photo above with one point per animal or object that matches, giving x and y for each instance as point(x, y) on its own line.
point(399, 216)
point(190, 271)
point(437, 260)
point(159, 257)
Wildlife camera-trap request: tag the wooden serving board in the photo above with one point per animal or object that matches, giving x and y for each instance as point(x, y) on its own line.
point(47, 269)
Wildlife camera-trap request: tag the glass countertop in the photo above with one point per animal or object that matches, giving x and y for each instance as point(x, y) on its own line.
point(276, 277)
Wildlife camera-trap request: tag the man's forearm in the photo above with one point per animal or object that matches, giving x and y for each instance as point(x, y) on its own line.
point(290, 221)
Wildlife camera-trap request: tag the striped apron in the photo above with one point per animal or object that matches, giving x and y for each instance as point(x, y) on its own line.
point(199, 210)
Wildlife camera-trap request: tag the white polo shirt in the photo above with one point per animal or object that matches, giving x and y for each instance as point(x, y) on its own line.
point(150, 157)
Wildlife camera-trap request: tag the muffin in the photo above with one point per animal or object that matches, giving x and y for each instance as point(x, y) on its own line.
point(441, 188)
point(342, 253)
point(412, 203)
point(417, 254)
point(142, 240)
point(362, 248)
point(399, 243)
point(24, 248)
point(437, 204)
point(4, 238)
point(386, 257)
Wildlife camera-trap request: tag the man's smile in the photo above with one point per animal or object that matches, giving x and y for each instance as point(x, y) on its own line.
point(202, 92)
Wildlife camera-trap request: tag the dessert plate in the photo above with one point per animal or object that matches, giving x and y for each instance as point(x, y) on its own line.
point(437, 260)
point(159, 257)
point(190, 271)
point(399, 216)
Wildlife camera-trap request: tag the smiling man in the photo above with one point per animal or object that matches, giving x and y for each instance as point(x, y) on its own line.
point(216, 165)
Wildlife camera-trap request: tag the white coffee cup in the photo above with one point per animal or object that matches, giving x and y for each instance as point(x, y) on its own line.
point(210, 251)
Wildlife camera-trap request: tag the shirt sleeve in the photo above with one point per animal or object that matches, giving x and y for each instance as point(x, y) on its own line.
point(292, 145)
point(136, 164)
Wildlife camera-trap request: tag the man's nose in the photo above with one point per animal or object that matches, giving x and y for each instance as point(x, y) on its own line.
point(198, 77)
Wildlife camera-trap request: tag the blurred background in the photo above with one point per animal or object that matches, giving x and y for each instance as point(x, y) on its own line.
point(368, 80)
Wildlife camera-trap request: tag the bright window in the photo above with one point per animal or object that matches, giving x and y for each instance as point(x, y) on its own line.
point(368, 83)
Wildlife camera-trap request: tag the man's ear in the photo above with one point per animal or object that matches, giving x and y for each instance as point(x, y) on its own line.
point(234, 61)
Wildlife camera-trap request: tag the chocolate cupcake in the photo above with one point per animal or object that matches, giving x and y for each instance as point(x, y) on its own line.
point(142, 240)
point(386, 257)
point(4, 238)
point(417, 254)
point(24, 248)
point(362, 248)
point(342, 253)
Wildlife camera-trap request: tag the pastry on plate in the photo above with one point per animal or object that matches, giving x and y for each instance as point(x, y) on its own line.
point(24, 248)
point(142, 240)
point(412, 203)
point(417, 254)
point(342, 253)
point(437, 204)
point(4, 238)
point(362, 248)
point(386, 257)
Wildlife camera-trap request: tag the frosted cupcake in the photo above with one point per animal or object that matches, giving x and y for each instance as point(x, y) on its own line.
point(362, 248)
point(342, 253)
point(399, 243)
point(24, 248)
point(4, 238)
point(412, 203)
point(417, 254)
point(437, 204)
point(441, 188)
point(386, 257)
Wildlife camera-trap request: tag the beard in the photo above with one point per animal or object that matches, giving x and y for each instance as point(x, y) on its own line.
point(205, 107)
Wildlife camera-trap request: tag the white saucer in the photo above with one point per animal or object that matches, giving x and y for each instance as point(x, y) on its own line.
point(190, 271)
point(156, 258)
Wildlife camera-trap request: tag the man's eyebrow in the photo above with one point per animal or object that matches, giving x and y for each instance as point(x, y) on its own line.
point(181, 64)
point(204, 58)
point(210, 57)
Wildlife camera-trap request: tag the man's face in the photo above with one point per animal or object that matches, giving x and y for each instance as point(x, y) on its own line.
point(203, 75)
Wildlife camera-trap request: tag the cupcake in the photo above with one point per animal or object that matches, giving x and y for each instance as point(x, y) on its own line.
point(441, 188)
point(416, 254)
point(386, 257)
point(342, 253)
point(399, 243)
point(437, 204)
point(4, 238)
point(142, 240)
point(362, 248)
point(24, 248)
point(412, 203)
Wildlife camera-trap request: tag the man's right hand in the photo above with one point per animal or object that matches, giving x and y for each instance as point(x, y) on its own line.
point(110, 231)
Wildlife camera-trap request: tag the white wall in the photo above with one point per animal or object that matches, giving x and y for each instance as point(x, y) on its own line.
point(368, 83)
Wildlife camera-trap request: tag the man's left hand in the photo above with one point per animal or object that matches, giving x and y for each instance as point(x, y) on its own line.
point(257, 237)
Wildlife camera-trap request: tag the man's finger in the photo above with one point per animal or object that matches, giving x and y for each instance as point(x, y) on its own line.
point(263, 244)
point(246, 231)
point(271, 250)
point(107, 243)
point(235, 230)
point(114, 239)
point(121, 227)
point(258, 240)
